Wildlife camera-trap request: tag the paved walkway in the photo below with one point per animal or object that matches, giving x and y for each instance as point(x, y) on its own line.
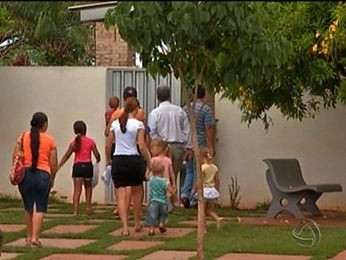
point(134, 240)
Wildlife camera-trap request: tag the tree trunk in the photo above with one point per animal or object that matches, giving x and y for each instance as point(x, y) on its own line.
point(201, 220)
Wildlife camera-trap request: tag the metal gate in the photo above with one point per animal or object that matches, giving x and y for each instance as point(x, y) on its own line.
point(119, 78)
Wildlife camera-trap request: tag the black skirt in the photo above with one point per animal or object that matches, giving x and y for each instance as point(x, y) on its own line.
point(127, 170)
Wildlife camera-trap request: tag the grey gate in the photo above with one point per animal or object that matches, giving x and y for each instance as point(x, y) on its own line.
point(119, 78)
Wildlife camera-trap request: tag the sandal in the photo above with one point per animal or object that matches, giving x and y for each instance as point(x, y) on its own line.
point(139, 229)
point(28, 242)
point(125, 233)
point(162, 229)
point(36, 243)
point(218, 223)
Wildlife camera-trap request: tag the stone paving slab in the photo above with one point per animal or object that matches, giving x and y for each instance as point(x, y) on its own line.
point(328, 219)
point(195, 222)
point(54, 215)
point(134, 245)
point(262, 257)
point(98, 221)
point(83, 257)
point(12, 227)
point(100, 210)
point(60, 229)
point(169, 255)
point(171, 232)
point(340, 256)
point(107, 207)
point(56, 242)
point(8, 256)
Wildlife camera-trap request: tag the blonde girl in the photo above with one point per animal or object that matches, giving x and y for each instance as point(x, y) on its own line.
point(211, 183)
point(161, 152)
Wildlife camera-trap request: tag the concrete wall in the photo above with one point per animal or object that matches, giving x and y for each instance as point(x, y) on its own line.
point(70, 93)
point(319, 144)
point(65, 94)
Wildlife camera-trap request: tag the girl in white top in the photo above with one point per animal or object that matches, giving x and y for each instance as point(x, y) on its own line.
point(127, 176)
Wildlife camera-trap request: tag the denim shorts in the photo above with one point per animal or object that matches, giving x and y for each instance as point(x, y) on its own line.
point(157, 212)
point(34, 189)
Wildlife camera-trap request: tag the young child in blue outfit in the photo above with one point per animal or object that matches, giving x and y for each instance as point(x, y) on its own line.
point(159, 187)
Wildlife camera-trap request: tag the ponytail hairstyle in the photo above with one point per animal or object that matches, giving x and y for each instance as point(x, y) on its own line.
point(79, 128)
point(131, 104)
point(165, 150)
point(37, 123)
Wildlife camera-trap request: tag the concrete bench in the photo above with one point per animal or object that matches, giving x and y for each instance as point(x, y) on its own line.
point(289, 190)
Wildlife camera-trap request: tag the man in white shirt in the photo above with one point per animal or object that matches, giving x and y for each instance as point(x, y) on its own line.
point(170, 123)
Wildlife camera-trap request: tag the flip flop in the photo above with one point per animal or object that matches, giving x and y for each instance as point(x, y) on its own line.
point(125, 233)
point(162, 229)
point(139, 229)
point(36, 243)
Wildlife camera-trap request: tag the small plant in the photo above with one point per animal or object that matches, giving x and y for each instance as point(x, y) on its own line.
point(9, 197)
point(234, 192)
point(55, 198)
point(264, 205)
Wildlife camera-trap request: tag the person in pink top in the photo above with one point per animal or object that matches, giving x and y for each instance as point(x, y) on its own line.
point(82, 171)
point(160, 152)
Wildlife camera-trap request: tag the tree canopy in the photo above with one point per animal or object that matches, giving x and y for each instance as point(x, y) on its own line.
point(43, 33)
point(289, 55)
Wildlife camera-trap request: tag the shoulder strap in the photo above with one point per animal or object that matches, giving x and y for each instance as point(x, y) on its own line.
point(22, 141)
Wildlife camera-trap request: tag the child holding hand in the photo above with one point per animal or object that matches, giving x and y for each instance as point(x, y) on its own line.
point(82, 172)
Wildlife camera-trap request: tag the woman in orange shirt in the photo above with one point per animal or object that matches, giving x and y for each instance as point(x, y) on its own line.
point(41, 164)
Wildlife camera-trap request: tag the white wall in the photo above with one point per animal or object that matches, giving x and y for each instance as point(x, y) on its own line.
point(319, 144)
point(65, 94)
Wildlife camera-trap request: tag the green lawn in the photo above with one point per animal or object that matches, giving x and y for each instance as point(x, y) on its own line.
point(234, 237)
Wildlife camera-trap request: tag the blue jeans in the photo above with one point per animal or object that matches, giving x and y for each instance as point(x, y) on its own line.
point(156, 212)
point(34, 189)
point(190, 178)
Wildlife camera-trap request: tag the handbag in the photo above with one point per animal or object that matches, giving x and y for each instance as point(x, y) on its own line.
point(95, 179)
point(107, 175)
point(17, 170)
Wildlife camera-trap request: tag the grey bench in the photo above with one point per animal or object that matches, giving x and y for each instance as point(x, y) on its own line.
point(289, 190)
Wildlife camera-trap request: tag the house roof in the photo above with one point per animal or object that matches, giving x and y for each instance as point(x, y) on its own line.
point(93, 11)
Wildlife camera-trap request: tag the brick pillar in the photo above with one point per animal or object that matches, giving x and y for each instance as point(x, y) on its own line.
point(112, 50)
